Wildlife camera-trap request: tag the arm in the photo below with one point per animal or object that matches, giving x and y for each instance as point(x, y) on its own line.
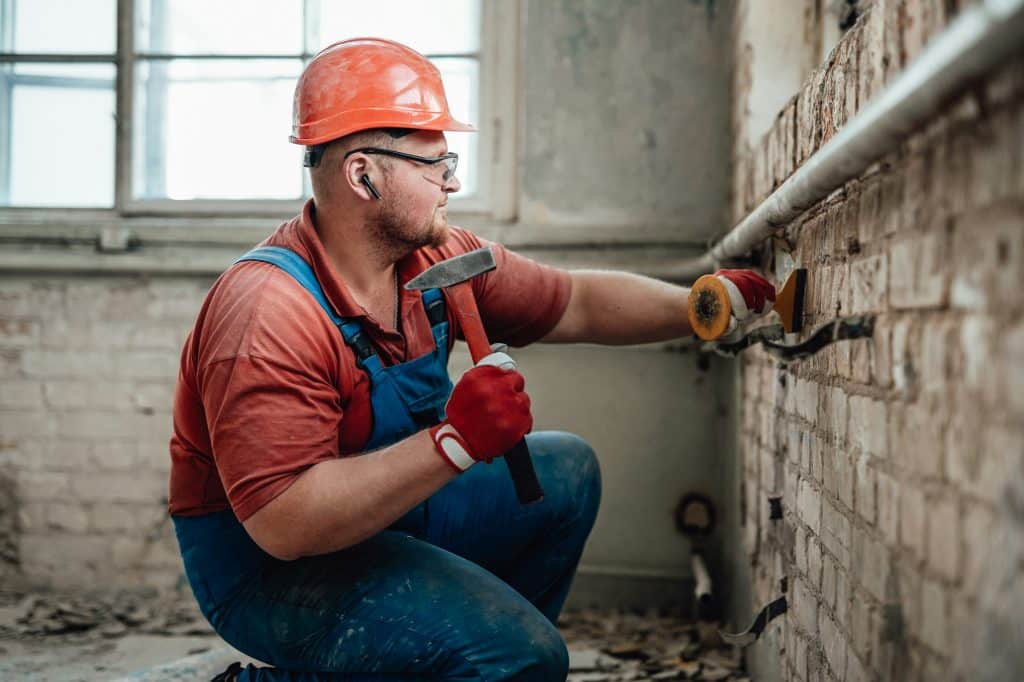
point(336, 503)
point(618, 308)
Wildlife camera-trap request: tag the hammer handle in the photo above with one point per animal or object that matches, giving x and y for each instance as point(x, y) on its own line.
point(520, 465)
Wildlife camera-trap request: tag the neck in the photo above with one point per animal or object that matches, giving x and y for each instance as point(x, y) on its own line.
point(360, 262)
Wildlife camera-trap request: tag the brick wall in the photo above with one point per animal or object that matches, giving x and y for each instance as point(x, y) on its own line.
point(87, 367)
point(899, 458)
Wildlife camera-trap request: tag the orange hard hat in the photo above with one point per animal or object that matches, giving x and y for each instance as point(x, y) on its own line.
point(365, 83)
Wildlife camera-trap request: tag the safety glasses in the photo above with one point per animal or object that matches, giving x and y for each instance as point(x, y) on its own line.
point(450, 160)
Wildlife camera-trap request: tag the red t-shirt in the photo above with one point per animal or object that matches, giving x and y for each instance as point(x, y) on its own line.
point(267, 386)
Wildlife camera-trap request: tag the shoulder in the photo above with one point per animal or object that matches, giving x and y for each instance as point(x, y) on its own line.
point(258, 310)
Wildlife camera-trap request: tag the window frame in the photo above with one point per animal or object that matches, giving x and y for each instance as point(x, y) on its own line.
point(233, 221)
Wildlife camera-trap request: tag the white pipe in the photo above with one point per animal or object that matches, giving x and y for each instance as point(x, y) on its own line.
point(702, 580)
point(980, 39)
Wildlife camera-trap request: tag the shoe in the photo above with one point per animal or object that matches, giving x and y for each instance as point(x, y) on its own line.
point(230, 674)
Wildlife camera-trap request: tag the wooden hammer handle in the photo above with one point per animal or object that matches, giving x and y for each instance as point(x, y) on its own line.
point(520, 465)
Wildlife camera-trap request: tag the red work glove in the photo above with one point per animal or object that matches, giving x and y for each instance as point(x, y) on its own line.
point(749, 293)
point(488, 412)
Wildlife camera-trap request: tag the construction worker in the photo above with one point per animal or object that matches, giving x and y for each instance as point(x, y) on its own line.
point(326, 491)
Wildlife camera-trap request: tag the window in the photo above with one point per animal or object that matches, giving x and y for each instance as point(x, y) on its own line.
point(203, 92)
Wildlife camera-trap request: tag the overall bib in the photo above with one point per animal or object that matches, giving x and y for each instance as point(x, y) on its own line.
point(467, 585)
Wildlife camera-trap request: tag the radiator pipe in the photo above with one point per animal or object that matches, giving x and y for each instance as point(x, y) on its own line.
point(980, 39)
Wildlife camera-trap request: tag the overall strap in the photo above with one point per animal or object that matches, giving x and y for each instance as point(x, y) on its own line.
point(296, 266)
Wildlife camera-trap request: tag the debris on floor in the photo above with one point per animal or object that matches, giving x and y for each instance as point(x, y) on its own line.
point(617, 646)
point(104, 614)
point(47, 636)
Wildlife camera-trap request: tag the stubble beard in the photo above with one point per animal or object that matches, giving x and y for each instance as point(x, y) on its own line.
point(395, 237)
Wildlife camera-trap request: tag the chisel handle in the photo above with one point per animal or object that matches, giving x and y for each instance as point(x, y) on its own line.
point(520, 464)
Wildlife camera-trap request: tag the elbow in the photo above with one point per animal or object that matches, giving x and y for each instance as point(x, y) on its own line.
point(271, 534)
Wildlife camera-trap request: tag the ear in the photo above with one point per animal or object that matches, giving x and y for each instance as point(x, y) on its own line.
point(353, 169)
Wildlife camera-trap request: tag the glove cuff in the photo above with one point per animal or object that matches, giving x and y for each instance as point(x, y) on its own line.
point(452, 447)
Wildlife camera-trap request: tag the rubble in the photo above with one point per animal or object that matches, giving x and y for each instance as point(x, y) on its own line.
point(604, 645)
point(103, 614)
point(617, 646)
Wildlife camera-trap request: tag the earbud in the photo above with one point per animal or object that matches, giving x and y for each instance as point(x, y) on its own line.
point(369, 186)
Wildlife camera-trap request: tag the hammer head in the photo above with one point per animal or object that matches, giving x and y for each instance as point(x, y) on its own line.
point(454, 270)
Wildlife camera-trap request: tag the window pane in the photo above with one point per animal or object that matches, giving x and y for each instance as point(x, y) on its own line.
point(435, 27)
point(221, 27)
point(461, 85)
point(62, 136)
point(62, 27)
point(216, 129)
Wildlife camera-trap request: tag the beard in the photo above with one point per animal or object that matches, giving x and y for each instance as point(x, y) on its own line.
point(397, 235)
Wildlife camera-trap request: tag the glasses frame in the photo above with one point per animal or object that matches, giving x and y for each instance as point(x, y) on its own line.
point(449, 171)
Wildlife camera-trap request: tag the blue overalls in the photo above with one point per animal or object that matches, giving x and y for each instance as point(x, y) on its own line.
point(467, 585)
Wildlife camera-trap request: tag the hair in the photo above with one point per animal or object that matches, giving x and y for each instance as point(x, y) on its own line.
point(330, 154)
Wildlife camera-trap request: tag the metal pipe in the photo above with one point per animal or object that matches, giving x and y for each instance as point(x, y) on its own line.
point(981, 38)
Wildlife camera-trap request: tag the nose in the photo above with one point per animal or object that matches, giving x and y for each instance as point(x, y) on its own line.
point(452, 185)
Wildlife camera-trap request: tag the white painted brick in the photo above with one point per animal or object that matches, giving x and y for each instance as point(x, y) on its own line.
point(862, 631)
point(871, 559)
point(94, 395)
point(865, 505)
point(978, 524)
point(904, 355)
point(111, 455)
point(868, 425)
point(912, 512)
point(977, 336)
point(833, 643)
point(935, 621)
point(916, 272)
point(18, 424)
point(807, 400)
point(73, 518)
point(1012, 382)
point(805, 607)
point(98, 425)
point(15, 333)
point(32, 516)
point(888, 507)
point(835, 532)
point(54, 364)
point(868, 280)
point(855, 671)
point(814, 560)
point(809, 506)
point(845, 478)
point(108, 517)
point(21, 395)
point(916, 442)
point(43, 486)
point(828, 581)
point(944, 536)
point(56, 548)
point(118, 487)
point(146, 365)
point(842, 604)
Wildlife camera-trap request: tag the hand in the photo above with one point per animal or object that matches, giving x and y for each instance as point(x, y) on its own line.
point(488, 413)
point(750, 294)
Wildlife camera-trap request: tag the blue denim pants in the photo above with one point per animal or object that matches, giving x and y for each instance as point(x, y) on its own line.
point(466, 586)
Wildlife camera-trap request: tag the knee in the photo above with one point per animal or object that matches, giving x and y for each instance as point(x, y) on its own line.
point(578, 465)
point(543, 654)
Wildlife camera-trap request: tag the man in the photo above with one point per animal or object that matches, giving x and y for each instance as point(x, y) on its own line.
point(407, 561)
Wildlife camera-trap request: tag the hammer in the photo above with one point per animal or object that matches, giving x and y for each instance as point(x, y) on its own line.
point(454, 275)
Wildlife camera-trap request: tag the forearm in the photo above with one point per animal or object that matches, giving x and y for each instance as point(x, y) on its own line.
point(618, 308)
point(338, 503)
